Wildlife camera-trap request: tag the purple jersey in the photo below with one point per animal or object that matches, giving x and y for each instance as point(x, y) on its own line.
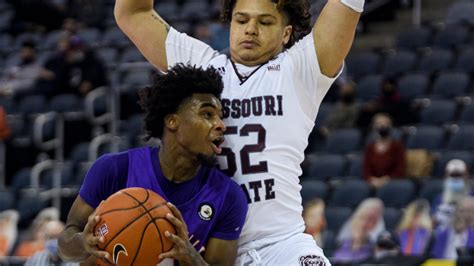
point(212, 205)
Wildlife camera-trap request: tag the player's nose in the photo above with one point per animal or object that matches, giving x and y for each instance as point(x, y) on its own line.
point(219, 125)
point(251, 28)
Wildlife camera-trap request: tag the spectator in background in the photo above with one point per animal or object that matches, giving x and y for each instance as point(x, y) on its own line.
point(5, 130)
point(457, 237)
point(456, 187)
point(384, 158)
point(387, 253)
point(415, 228)
point(74, 69)
point(313, 215)
point(49, 255)
point(8, 231)
point(20, 79)
point(38, 233)
point(358, 235)
point(390, 102)
point(346, 110)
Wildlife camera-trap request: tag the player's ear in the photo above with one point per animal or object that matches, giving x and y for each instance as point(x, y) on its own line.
point(172, 121)
point(287, 31)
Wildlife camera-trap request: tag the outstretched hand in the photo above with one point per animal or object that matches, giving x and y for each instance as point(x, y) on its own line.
point(183, 250)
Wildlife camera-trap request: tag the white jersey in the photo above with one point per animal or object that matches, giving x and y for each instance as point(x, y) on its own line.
point(269, 115)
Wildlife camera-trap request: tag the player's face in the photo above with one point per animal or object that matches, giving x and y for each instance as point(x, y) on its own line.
point(201, 129)
point(258, 32)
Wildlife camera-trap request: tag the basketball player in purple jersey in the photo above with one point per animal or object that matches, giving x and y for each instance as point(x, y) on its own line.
point(184, 111)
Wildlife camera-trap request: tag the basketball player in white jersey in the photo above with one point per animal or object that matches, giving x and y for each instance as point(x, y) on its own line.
point(273, 86)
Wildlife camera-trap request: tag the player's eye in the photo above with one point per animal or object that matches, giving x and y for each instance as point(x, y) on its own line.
point(265, 23)
point(240, 21)
point(207, 115)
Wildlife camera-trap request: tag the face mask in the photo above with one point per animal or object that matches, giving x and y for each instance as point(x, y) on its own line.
point(454, 184)
point(384, 131)
point(52, 247)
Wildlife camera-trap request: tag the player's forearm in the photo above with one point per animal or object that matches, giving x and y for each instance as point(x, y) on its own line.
point(71, 247)
point(195, 260)
point(334, 33)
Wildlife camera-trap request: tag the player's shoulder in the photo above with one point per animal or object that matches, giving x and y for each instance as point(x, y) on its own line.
point(118, 160)
point(219, 62)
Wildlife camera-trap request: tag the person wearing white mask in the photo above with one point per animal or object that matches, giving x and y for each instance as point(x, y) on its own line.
point(456, 187)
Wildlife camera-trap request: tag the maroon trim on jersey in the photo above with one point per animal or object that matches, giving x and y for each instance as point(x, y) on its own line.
point(243, 79)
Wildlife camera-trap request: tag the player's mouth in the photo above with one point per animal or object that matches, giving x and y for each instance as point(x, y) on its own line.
point(249, 44)
point(216, 143)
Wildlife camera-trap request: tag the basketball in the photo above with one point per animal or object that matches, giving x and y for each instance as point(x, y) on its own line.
point(133, 223)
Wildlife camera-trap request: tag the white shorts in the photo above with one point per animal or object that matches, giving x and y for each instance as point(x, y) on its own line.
point(300, 249)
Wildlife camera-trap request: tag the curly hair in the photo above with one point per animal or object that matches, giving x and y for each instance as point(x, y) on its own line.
point(297, 12)
point(169, 91)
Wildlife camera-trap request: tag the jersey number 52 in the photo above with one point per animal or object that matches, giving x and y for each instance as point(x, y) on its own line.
point(247, 167)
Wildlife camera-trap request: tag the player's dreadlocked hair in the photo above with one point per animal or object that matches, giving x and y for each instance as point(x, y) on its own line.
point(297, 12)
point(169, 91)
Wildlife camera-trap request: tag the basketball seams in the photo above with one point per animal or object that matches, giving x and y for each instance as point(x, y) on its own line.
point(159, 233)
point(122, 209)
point(140, 242)
point(139, 202)
point(148, 212)
point(129, 223)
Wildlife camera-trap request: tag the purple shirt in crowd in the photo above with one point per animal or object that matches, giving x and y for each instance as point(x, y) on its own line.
point(212, 205)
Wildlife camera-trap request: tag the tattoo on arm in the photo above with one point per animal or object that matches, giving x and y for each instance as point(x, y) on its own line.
point(161, 21)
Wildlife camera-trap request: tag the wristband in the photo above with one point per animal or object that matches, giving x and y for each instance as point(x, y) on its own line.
point(356, 5)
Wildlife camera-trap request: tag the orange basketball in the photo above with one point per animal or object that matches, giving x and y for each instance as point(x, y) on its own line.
point(133, 223)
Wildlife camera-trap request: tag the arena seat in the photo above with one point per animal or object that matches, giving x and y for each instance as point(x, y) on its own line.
point(464, 60)
point(425, 137)
point(461, 11)
point(450, 85)
point(336, 217)
point(435, 60)
point(350, 194)
point(362, 64)
point(7, 200)
point(311, 189)
point(463, 139)
point(391, 217)
point(451, 36)
point(369, 87)
point(399, 62)
point(413, 86)
point(343, 141)
point(439, 112)
point(396, 193)
point(66, 103)
point(467, 115)
point(32, 104)
point(414, 38)
point(431, 188)
point(355, 165)
point(323, 166)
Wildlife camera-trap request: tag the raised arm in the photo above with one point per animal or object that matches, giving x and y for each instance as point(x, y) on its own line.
point(147, 30)
point(333, 35)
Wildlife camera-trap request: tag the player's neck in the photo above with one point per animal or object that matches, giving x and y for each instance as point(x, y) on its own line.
point(175, 167)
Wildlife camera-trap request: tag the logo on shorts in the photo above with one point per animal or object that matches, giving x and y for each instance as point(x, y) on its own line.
point(312, 260)
point(205, 211)
point(102, 230)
